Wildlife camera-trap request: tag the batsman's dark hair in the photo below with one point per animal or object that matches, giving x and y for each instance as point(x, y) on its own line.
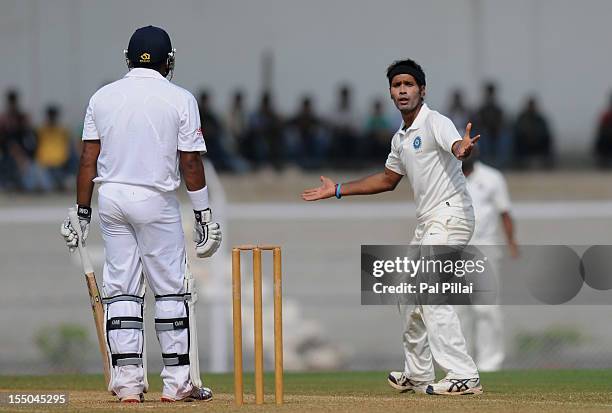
point(406, 66)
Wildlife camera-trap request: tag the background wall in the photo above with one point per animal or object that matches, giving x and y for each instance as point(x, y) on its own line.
point(63, 50)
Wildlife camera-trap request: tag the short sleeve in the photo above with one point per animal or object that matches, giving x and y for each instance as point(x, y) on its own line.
point(501, 198)
point(190, 138)
point(445, 133)
point(394, 161)
point(90, 132)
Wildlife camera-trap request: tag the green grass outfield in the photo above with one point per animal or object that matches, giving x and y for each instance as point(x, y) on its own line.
point(508, 391)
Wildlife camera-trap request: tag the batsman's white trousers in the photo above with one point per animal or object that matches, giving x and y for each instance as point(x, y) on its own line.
point(143, 238)
point(433, 331)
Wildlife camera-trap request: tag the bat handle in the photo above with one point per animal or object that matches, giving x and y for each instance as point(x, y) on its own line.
point(74, 221)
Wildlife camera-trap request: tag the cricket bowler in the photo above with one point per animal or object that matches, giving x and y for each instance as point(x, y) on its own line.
point(427, 148)
point(139, 132)
point(489, 193)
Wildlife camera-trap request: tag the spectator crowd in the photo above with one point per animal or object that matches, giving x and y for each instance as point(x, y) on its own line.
point(244, 141)
point(34, 159)
point(45, 158)
point(525, 141)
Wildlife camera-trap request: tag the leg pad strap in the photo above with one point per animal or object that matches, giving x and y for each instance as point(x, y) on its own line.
point(168, 324)
point(127, 359)
point(173, 359)
point(121, 323)
point(123, 297)
point(174, 297)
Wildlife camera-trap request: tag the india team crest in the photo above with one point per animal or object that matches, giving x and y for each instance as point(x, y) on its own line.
point(417, 142)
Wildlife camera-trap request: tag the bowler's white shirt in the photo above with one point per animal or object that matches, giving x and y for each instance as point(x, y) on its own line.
point(490, 198)
point(424, 152)
point(142, 121)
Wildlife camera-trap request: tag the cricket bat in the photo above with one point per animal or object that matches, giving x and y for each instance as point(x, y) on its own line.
point(94, 293)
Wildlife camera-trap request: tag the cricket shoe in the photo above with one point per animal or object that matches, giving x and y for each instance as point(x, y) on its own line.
point(456, 387)
point(133, 398)
point(399, 381)
point(197, 394)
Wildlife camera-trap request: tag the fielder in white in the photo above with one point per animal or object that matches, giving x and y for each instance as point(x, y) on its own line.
point(483, 323)
point(140, 133)
point(427, 148)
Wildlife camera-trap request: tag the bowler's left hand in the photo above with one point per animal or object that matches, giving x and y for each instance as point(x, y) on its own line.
point(463, 148)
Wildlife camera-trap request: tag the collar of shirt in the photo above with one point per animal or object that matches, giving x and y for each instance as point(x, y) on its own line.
point(418, 121)
point(144, 72)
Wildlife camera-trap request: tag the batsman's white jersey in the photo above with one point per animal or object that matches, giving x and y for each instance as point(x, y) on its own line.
point(142, 121)
point(483, 324)
point(445, 216)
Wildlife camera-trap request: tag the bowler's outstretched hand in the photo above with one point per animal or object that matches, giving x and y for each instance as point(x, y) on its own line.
point(326, 190)
point(463, 148)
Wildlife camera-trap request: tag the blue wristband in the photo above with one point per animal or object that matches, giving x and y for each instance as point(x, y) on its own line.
point(338, 193)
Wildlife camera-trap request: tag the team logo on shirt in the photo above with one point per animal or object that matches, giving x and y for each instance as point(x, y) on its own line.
point(416, 144)
point(145, 58)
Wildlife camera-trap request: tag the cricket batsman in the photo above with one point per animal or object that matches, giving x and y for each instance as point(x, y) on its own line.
point(139, 132)
point(427, 148)
point(489, 193)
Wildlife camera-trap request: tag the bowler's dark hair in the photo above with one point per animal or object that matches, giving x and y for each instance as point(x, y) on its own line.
point(406, 66)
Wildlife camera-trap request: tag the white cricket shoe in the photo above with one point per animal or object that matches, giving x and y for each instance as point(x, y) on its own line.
point(455, 387)
point(133, 398)
point(399, 381)
point(197, 394)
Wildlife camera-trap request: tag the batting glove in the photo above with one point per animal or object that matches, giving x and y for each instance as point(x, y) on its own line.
point(69, 234)
point(206, 234)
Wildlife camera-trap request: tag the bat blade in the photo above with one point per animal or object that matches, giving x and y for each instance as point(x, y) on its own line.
point(98, 315)
point(94, 293)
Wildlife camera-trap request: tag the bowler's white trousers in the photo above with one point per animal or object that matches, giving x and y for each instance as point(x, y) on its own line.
point(433, 331)
point(143, 238)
